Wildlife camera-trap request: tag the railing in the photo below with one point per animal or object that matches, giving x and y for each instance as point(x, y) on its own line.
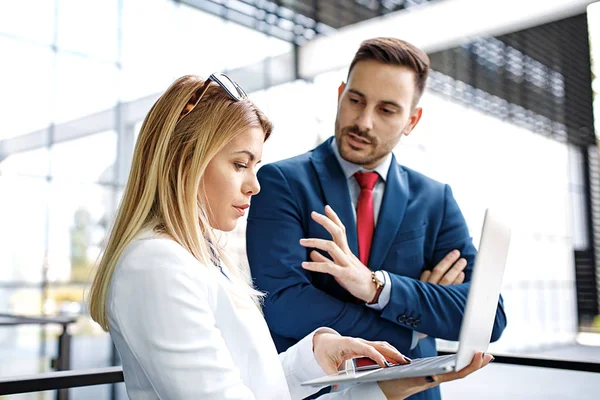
point(60, 380)
point(62, 362)
point(68, 379)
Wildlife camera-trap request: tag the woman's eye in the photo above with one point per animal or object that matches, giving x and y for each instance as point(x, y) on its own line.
point(239, 166)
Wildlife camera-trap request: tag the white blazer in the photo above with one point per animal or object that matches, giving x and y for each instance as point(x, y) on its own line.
point(181, 336)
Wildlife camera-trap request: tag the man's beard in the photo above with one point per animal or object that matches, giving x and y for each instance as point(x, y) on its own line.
point(353, 155)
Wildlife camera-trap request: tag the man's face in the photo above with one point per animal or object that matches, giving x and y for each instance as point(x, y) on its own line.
point(374, 110)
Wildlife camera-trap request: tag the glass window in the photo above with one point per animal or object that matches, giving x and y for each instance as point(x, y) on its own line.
point(28, 19)
point(26, 82)
point(89, 27)
point(292, 135)
point(23, 233)
point(20, 345)
point(147, 56)
point(29, 163)
point(88, 159)
point(83, 87)
point(79, 219)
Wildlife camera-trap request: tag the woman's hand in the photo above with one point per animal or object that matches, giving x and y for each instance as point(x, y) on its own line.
point(402, 388)
point(331, 350)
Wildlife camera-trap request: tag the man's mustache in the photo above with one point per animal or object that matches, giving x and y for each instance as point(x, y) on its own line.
point(356, 131)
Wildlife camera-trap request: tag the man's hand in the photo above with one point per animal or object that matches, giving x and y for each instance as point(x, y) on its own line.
point(449, 271)
point(400, 389)
point(345, 267)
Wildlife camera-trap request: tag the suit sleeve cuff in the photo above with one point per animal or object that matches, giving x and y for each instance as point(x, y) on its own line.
point(384, 297)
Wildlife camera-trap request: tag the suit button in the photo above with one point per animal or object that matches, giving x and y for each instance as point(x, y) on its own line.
point(416, 323)
point(409, 320)
point(402, 318)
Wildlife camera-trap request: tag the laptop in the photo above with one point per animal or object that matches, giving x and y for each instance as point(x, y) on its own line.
point(478, 320)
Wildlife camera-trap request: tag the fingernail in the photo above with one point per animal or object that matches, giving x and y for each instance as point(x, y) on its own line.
point(493, 358)
point(408, 360)
point(430, 379)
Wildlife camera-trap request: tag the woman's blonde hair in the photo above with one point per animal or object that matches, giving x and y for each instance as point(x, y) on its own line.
point(169, 160)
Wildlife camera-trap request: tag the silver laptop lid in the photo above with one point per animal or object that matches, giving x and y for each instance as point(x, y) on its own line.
point(482, 302)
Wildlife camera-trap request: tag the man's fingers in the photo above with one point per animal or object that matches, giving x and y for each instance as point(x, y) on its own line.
point(337, 231)
point(326, 245)
point(334, 217)
point(425, 276)
point(323, 267)
point(479, 361)
point(442, 267)
point(318, 257)
point(453, 272)
point(459, 279)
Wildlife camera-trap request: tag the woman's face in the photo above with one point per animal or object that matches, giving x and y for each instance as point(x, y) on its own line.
point(230, 179)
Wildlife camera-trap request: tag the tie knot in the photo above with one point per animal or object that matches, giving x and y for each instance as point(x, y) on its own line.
point(366, 180)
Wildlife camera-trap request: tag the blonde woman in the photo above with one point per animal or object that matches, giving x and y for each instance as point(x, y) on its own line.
point(186, 323)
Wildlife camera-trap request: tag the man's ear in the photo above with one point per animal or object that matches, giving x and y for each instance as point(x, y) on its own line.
point(341, 90)
point(413, 121)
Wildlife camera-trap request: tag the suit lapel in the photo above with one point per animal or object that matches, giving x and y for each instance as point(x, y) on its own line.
point(391, 214)
point(335, 189)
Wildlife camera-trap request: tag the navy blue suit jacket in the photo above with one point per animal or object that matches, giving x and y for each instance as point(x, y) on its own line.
point(419, 223)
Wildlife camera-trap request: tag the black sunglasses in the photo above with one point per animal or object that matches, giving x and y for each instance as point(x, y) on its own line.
point(233, 90)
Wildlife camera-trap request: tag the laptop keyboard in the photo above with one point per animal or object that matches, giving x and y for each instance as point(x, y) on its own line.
point(420, 364)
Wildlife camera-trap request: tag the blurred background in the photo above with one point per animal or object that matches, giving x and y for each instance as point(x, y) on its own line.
point(508, 121)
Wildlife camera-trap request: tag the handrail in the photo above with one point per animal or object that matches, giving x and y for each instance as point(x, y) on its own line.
point(60, 380)
point(108, 375)
point(11, 319)
point(62, 362)
point(581, 366)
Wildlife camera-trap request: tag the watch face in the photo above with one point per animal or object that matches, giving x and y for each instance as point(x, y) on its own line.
point(380, 277)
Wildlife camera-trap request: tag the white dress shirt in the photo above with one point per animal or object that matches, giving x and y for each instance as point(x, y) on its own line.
point(382, 170)
point(183, 335)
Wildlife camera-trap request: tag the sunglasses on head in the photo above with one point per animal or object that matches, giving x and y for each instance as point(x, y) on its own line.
point(233, 90)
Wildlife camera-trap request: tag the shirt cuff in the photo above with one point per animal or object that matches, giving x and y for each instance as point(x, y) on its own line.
point(415, 340)
point(307, 366)
point(386, 293)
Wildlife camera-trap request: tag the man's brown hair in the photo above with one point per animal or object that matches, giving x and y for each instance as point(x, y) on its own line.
point(394, 51)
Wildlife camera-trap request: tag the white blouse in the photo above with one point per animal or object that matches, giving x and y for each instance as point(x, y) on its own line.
point(181, 335)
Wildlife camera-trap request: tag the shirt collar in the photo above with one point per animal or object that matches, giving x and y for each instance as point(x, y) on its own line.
point(350, 168)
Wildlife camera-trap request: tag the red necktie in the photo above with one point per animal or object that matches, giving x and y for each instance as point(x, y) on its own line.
point(365, 218)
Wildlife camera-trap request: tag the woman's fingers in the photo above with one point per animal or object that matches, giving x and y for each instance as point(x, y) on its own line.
point(389, 352)
point(341, 349)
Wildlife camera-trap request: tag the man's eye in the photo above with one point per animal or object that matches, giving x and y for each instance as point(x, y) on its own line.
point(387, 110)
point(355, 101)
